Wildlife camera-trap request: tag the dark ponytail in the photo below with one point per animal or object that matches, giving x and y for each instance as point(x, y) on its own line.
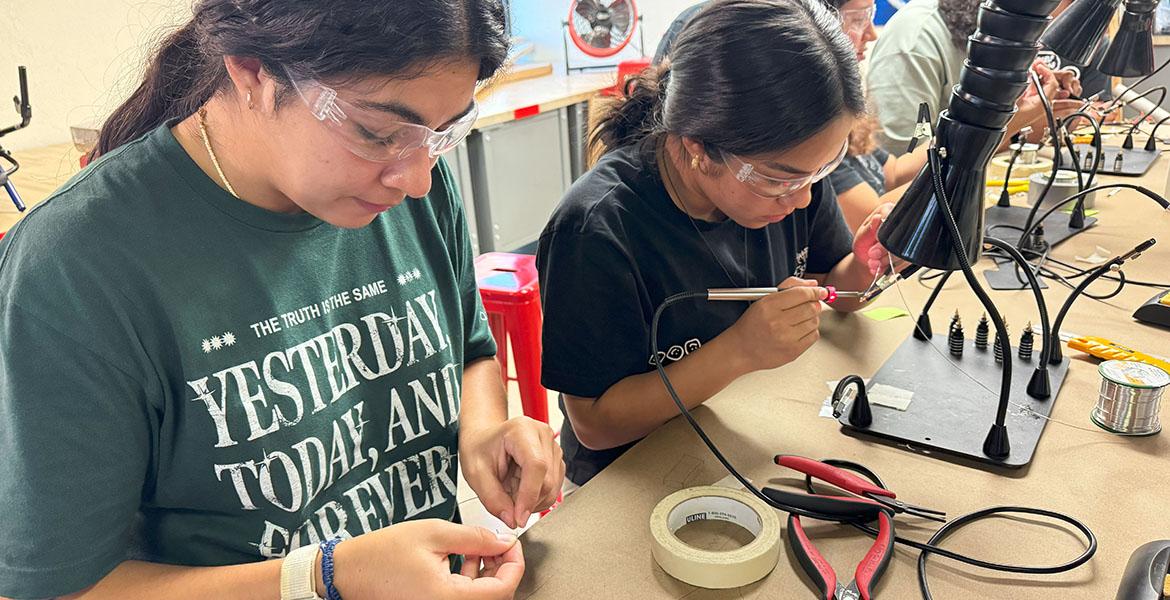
point(637, 115)
point(744, 76)
point(333, 41)
point(176, 84)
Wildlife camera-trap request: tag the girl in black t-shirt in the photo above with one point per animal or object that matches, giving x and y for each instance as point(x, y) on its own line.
point(712, 179)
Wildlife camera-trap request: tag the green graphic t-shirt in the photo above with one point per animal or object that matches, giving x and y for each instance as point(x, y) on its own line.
point(189, 379)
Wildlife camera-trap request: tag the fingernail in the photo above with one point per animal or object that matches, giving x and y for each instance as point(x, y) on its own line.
point(524, 520)
point(506, 537)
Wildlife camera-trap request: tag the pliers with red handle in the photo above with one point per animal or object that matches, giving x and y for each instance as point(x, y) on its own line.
point(846, 510)
point(856, 485)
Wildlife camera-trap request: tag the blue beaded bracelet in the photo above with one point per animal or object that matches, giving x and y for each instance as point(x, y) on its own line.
point(327, 546)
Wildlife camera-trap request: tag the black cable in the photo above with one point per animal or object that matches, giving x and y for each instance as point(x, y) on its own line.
point(937, 290)
point(1151, 144)
point(1097, 273)
point(1052, 128)
point(950, 528)
point(1004, 197)
point(1082, 272)
point(944, 207)
point(1057, 277)
point(1077, 196)
point(1022, 263)
point(931, 547)
point(1137, 123)
point(747, 484)
point(928, 275)
point(925, 547)
point(1118, 100)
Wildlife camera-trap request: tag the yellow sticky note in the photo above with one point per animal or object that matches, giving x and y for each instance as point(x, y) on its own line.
point(1089, 212)
point(885, 313)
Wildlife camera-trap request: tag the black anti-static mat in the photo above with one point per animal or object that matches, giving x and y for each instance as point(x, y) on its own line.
point(1007, 223)
point(950, 414)
point(1134, 162)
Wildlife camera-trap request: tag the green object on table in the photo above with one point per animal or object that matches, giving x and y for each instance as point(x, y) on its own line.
point(1089, 212)
point(884, 313)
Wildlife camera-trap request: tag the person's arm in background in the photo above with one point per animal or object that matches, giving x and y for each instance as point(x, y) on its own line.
point(860, 201)
point(1058, 86)
point(901, 170)
point(898, 83)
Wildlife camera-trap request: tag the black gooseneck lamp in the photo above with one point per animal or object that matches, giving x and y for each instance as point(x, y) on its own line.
point(939, 221)
point(1077, 31)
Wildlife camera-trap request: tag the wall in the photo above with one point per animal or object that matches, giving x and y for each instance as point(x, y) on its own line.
point(83, 58)
point(540, 22)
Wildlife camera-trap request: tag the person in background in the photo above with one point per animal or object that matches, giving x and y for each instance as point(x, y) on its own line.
point(244, 354)
point(918, 58)
point(713, 177)
point(867, 171)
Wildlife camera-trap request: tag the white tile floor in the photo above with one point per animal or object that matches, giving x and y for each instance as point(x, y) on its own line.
point(471, 509)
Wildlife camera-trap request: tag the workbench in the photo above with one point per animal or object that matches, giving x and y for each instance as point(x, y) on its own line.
point(597, 544)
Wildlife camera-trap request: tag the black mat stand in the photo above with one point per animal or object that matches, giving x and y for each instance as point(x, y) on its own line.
point(997, 218)
point(951, 414)
point(1135, 162)
point(999, 221)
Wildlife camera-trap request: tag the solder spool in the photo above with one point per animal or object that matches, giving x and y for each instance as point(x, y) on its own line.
point(1130, 398)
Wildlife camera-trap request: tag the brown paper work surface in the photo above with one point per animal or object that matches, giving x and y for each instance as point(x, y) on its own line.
point(597, 544)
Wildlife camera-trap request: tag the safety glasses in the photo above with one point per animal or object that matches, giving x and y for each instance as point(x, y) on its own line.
point(776, 187)
point(857, 20)
point(369, 135)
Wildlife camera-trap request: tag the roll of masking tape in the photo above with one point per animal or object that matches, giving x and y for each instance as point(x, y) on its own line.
point(1020, 170)
point(710, 568)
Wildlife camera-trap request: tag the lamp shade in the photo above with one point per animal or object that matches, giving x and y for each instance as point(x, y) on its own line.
point(1132, 52)
point(916, 230)
point(1076, 32)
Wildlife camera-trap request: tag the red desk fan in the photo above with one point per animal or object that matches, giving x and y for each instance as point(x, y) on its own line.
point(601, 29)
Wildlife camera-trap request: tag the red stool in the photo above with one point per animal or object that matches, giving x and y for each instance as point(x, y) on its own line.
point(510, 288)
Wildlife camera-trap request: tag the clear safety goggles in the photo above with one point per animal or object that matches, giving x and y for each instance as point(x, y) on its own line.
point(777, 187)
point(369, 135)
point(857, 20)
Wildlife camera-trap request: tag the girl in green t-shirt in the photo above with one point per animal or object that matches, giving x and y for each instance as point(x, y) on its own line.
point(250, 328)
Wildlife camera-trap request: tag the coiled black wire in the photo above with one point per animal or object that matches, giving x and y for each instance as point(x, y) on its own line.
point(930, 547)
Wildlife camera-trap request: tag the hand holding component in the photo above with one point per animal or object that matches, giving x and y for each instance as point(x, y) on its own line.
point(515, 467)
point(865, 243)
point(779, 327)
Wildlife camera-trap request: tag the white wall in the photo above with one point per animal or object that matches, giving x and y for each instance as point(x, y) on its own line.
point(83, 58)
point(540, 22)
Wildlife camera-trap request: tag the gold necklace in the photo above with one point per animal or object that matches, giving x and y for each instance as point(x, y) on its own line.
point(211, 153)
point(673, 190)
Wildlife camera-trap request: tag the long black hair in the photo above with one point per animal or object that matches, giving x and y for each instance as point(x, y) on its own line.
point(746, 77)
point(961, 19)
point(330, 40)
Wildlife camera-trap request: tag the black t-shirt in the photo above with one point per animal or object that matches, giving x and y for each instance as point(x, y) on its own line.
point(865, 168)
point(617, 246)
